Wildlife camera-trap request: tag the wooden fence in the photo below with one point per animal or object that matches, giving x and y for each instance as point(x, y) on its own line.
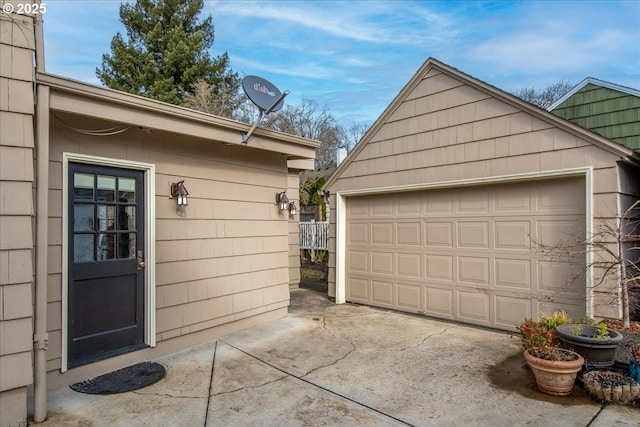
point(314, 236)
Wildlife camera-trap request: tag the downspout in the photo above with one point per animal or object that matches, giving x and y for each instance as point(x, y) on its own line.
point(39, 34)
point(41, 337)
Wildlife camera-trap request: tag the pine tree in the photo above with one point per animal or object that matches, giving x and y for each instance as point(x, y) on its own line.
point(166, 52)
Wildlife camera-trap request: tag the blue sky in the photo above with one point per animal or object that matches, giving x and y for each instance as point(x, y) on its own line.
point(355, 56)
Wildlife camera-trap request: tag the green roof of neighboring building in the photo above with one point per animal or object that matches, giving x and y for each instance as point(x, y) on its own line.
point(607, 109)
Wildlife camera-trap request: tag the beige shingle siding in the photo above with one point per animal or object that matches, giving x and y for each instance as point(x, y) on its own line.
point(483, 137)
point(449, 127)
point(226, 260)
point(17, 42)
point(293, 193)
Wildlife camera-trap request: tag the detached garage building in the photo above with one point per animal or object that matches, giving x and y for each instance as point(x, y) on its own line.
point(440, 207)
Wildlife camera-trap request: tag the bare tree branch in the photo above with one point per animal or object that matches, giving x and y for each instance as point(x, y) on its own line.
point(613, 247)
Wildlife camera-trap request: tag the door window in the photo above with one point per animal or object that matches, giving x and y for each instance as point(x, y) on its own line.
point(104, 217)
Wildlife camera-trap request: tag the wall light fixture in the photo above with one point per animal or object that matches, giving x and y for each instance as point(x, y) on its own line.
point(282, 200)
point(179, 192)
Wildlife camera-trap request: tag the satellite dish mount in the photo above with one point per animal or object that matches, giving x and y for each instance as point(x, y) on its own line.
point(265, 96)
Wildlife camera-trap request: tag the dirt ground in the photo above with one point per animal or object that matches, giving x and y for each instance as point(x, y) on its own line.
point(314, 275)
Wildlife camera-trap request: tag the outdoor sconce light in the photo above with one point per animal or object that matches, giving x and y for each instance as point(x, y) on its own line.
point(282, 200)
point(179, 192)
point(292, 209)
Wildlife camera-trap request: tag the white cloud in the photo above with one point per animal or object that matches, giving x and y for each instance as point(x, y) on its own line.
point(541, 39)
point(306, 70)
point(378, 22)
point(305, 14)
point(533, 52)
point(356, 55)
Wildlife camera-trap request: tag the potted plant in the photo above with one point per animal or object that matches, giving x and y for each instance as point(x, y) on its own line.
point(555, 369)
point(596, 343)
point(544, 327)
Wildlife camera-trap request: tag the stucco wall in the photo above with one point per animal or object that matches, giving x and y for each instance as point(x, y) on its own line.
point(223, 260)
point(17, 45)
point(446, 130)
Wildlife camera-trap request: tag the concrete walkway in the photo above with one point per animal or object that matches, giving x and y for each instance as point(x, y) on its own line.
point(343, 365)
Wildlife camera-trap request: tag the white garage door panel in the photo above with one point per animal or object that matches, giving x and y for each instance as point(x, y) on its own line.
point(409, 297)
point(466, 254)
point(510, 311)
point(358, 289)
point(512, 235)
point(382, 263)
point(439, 268)
point(382, 293)
point(440, 302)
point(513, 274)
point(474, 307)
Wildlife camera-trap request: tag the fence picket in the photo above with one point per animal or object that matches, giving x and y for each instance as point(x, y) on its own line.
point(314, 236)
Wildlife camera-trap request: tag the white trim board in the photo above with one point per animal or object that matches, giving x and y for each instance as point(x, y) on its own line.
point(150, 239)
point(341, 215)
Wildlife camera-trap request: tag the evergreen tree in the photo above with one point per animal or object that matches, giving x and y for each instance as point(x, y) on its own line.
point(166, 52)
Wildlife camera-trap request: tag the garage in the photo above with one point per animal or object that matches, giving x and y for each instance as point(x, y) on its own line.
point(467, 254)
point(441, 206)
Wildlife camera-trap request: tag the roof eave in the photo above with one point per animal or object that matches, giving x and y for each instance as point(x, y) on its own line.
point(93, 101)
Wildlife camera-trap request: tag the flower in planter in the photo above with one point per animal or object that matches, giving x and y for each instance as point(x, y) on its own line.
point(542, 332)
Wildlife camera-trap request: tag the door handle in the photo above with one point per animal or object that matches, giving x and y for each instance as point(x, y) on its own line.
point(140, 261)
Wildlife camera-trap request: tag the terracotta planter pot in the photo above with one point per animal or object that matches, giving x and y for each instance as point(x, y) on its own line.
point(597, 352)
point(555, 377)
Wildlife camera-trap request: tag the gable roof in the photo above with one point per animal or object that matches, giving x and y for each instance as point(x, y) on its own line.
point(596, 82)
point(507, 98)
point(607, 109)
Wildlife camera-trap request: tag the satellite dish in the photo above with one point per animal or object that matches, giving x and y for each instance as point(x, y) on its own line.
point(262, 93)
point(265, 95)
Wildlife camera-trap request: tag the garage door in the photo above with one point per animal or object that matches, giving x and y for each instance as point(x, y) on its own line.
point(467, 254)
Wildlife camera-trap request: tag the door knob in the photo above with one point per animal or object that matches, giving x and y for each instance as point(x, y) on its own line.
point(140, 261)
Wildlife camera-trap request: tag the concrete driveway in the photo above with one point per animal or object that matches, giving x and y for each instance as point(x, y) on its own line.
point(343, 365)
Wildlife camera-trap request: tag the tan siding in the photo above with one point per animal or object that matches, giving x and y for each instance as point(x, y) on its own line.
point(17, 129)
point(17, 96)
point(293, 193)
point(17, 42)
point(433, 83)
point(481, 127)
point(446, 130)
point(224, 259)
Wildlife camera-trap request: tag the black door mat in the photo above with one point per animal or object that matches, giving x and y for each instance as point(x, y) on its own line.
point(126, 379)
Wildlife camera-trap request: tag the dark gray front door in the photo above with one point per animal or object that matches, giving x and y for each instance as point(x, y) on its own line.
point(106, 268)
